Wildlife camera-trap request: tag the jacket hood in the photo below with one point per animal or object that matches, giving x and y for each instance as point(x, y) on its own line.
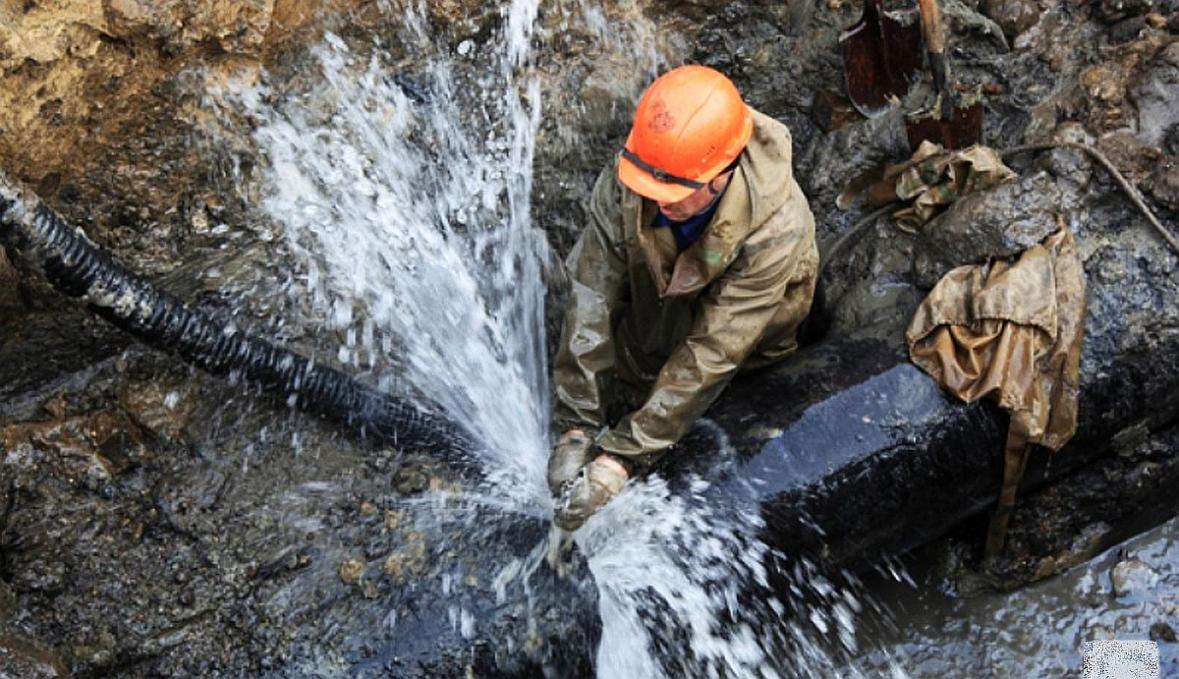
point(766, 166)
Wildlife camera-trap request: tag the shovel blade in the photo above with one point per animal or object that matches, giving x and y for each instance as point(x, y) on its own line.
point(881, 57)
point(958, 130)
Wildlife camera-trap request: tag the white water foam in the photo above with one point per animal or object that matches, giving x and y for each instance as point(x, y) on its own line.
point(688, 589)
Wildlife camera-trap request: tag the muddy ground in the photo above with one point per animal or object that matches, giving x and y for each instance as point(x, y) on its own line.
point(157, 522)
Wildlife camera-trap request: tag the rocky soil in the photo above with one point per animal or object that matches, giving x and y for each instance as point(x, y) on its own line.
point(154, 522)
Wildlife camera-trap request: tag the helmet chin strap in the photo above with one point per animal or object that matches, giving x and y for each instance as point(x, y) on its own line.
point(660, 175)
point(713, 192)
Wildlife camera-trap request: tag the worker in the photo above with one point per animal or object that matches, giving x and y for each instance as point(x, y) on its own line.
point(698, 261)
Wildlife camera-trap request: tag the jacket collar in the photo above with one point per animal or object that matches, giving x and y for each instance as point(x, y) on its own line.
point(685, 274)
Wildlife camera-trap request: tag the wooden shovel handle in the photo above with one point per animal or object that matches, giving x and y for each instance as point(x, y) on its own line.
point(931, 26)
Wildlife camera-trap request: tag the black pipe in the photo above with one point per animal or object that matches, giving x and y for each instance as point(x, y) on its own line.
point(854, 453)
point(77, 267)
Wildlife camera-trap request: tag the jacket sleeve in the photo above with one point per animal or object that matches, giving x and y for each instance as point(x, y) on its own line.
point(597, 265)
point(735, 312)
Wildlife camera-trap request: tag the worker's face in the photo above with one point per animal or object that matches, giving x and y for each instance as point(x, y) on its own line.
point(697, 201)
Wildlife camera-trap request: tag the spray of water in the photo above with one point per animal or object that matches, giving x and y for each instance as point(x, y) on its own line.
point(688, 588)
point(405, 203)
point(411, 226)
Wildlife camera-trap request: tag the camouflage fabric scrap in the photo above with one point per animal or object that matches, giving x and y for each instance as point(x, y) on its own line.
point(934, 178)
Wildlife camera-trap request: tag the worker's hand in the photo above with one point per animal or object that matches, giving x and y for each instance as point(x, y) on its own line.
point(569, 455)
point(597, 484)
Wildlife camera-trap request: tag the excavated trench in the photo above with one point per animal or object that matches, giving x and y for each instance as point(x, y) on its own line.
point(157, 521)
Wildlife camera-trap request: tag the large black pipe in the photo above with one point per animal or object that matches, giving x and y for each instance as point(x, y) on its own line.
point(78, 268)
point(853, 452)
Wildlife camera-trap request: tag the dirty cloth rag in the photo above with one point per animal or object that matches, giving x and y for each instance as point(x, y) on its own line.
point(934, 178)
point(1011, 331)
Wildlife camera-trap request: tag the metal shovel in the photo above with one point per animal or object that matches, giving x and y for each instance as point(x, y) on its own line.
point(881, 57)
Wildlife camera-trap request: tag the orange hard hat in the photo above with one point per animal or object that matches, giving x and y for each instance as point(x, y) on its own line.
point(689, 126)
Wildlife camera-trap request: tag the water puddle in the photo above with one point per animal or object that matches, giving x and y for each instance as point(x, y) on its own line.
point(1039, 630)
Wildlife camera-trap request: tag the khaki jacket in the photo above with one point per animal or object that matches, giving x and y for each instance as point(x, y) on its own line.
point(672, 329)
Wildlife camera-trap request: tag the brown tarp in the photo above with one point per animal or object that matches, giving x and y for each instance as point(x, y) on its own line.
point(1010, 331)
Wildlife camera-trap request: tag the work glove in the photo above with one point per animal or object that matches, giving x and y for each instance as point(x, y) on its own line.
point(569, 455)
point(596, 484)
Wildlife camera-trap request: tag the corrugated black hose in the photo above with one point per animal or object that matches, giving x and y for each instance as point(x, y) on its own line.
point(77, 267)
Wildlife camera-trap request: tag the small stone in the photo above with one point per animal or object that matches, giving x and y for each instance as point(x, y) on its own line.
point(351, 571)
point(1156, 20)
point(1013, 16)
point(1102, 83)
point(1132, 577)
point(394, 565)
point(410, 481)
point(1111, 270)
point(164, 407)
point(199, 221)
point(1161, 631)
point(88, 450)
point(1164, 185)
point(1127, 30)
point(392, 519)
point(1045, 568)
point(1071, 131)
point(1135, 158)
point(57, 406)
point(1070, 164)
point(367, 508)
point(1111, 11)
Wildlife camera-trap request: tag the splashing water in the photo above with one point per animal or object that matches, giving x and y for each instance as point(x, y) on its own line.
point(414, 230)
point(405, 203)
point(688, 589)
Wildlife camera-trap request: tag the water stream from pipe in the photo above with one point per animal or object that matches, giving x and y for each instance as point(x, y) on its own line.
point(404, 195)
